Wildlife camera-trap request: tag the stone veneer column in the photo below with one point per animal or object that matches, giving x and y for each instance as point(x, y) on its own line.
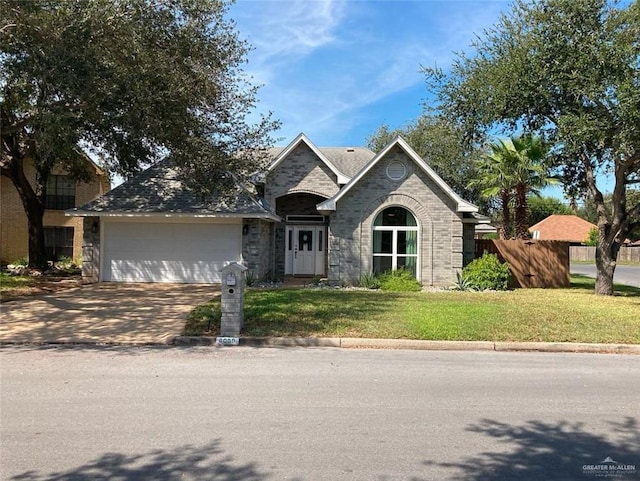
point(91, 250)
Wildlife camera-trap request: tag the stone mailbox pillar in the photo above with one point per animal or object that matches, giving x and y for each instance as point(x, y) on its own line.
point(232, 303)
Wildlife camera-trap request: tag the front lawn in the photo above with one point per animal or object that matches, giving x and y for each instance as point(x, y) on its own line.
point(16, 287)
point(554, 315)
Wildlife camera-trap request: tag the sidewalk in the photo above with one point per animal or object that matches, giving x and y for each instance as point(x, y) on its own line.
point(363, 343)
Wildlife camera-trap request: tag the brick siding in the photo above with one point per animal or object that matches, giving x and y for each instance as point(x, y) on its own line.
point(14, 240)
point(440, 227)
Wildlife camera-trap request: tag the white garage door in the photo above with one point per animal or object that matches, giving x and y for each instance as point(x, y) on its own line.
point(168, 252)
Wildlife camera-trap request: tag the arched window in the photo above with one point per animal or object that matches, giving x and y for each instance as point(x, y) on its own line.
point(395, 241)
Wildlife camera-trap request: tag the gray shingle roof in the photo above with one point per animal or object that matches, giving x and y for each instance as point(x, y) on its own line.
point(160, 190)
point(348, 160)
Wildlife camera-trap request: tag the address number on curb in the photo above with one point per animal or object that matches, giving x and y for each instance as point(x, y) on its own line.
point(228, 341)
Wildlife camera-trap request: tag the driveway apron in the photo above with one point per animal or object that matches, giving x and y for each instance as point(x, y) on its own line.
point(104, 313)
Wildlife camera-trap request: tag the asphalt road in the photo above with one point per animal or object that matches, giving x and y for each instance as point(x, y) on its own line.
point(627, 275)
point(236, 414)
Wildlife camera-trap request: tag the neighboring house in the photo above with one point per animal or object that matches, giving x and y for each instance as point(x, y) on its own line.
point(332, 212)
point(563, 227)
point(63, 235)
point(486, 231)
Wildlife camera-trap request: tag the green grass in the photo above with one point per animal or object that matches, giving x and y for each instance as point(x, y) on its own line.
point(619, 262)
point(9, 283)
point(574, 314)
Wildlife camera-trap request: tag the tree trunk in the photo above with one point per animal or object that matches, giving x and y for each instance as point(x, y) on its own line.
point(37, 251)
point(506, 215)
point(521, 231)
point(34, 209)
point(606, 255)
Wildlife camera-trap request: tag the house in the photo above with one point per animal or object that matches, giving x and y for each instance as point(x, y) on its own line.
point(63, 235)
point(563, 227)
point(329, 212)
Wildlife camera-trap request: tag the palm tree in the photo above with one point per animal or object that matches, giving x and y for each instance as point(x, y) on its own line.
point(515, 166)
point(530, 173)
point(495, 181)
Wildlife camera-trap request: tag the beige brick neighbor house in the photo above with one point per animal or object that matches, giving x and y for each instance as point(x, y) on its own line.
point(333, 212)
point(63, 234)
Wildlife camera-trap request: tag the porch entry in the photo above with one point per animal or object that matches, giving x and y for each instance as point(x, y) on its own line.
point(305, 246)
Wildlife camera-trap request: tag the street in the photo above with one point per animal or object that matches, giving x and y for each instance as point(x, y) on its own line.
point(627, 275)
point(91, 413)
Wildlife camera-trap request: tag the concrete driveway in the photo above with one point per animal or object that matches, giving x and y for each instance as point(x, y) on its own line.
point(104, 313)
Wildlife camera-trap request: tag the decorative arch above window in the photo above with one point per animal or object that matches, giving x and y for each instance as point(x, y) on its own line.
point(395, 241)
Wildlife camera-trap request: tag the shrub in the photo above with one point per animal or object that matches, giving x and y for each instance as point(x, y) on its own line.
point(461, 284)
point(22, 262)
point(67, 266)
point(369, 281)
point(400, 280)
point(250, 278)
point(487, 272)
point(592, 238)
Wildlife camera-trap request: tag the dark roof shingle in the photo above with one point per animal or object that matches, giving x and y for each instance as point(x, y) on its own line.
point(160, 190)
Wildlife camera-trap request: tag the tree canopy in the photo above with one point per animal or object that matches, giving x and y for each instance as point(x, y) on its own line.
point(515, 168)
point(541, 207)
point(133, 81)
point(570, 71)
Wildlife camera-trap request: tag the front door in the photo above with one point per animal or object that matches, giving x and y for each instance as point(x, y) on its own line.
point(305, 250)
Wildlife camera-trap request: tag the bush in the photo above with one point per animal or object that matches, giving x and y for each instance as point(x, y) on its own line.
point(461, 284)
point(369, 281)
point(66, 266)
point(250, 278)
point(22, 262)
point(592, 238)
point(487, 272)
point(400, 280)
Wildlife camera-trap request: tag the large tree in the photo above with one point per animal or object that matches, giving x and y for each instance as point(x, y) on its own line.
point(441, 144)
point(570, 70)
point(134, 81)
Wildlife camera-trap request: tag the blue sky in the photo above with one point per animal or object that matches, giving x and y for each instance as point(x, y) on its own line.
point(338, 69)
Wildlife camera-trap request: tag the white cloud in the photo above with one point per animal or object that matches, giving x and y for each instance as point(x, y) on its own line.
point(322, 62)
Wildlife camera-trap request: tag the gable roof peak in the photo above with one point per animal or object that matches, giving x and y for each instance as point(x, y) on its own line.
point(461, 204)
point(302, 138)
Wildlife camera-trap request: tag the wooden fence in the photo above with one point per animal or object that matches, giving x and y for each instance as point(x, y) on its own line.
point(588, 254)
point(533, 263)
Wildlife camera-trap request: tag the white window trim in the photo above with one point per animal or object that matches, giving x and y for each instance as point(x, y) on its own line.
point(394, 245)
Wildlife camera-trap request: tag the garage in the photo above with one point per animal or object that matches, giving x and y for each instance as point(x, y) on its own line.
point(156, 251)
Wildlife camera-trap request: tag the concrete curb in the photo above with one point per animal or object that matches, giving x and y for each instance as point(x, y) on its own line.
point(365, 343)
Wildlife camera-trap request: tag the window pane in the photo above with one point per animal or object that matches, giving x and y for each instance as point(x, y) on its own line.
point(382, 242)
point(319, 241)
point(305, 240)
point(382, 264)
point(61, 192)
point(408, 263)
point(395, 217)
point(58, 242)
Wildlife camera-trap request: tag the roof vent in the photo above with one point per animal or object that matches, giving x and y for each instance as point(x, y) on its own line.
point(396, 170)
point(350, 149)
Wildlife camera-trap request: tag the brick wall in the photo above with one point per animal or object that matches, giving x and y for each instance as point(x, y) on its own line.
point(90, 249)
point(256, 255)
point(301, 171)
point(13, 221)
point(440, 227)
